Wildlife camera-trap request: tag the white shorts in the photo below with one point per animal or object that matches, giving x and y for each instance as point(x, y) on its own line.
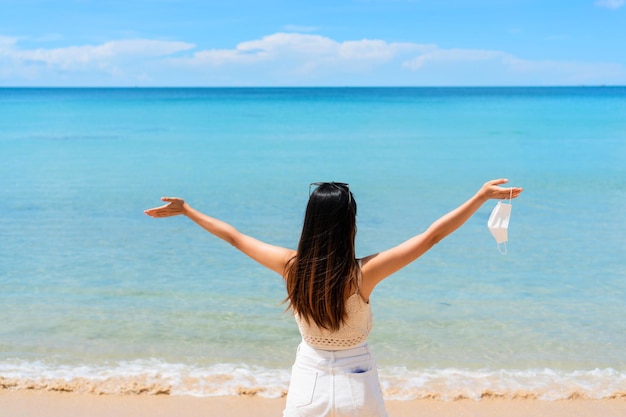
point(341, 383)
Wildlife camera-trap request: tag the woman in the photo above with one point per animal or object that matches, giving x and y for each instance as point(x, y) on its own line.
point(328, 290)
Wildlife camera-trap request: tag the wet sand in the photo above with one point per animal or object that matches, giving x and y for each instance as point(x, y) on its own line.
point(60, 404)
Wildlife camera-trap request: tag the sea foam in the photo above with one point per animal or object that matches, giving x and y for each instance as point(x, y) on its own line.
point(156, 377)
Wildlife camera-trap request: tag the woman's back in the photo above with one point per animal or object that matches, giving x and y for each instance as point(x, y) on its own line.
point(354, 329)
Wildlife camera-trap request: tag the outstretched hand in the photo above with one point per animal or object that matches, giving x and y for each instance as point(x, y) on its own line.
point(492, 190)
point(174, 207)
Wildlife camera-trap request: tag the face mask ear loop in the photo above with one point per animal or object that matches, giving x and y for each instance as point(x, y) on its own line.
point(500, 245)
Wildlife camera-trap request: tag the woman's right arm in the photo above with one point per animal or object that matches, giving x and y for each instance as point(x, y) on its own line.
point(379, 266)
point(270, 256)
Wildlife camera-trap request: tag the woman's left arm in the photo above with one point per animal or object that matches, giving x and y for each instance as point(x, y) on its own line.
point(270, 256)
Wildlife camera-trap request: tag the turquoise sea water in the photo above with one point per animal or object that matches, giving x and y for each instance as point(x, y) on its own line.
point(94, 295)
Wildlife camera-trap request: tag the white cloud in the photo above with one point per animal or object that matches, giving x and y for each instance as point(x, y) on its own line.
point(77, 56)
point(610, 4)
point(291, 43)
point(507, 65)
point(6, 43)
point(270, 47)
point(289, 59)
point(295, 58)
point(114, 59)
point(377, 50)
point(303, 47)
point(455, 55)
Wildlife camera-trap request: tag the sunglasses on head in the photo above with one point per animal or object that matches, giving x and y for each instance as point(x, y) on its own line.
point(339, 185)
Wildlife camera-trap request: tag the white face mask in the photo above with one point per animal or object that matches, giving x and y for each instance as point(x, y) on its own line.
point(498, 224)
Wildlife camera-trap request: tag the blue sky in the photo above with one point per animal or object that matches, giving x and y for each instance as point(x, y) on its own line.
point(312, 43)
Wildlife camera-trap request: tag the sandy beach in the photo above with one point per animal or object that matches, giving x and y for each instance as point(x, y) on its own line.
point(55, 404)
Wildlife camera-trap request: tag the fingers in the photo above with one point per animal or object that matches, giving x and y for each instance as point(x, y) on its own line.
point(498, 181)
point(516, 192)
point(511, 192)
point(173, 207)
point(494, 190)
point(154, 212)
point(160, 212)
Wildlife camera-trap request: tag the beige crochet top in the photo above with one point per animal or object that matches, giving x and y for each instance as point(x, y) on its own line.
point(352, 333)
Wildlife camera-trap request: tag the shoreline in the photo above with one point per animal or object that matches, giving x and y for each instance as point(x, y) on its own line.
point(155, 378)
point(63, 404)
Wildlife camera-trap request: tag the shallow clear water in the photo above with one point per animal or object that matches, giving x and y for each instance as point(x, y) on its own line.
point(90, 286)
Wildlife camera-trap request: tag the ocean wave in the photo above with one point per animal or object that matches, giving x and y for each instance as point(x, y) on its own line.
point(541, 384)
point(149, 377)
point(156, 377)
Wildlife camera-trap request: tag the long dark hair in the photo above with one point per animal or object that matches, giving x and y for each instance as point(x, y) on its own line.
point(325, 266)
